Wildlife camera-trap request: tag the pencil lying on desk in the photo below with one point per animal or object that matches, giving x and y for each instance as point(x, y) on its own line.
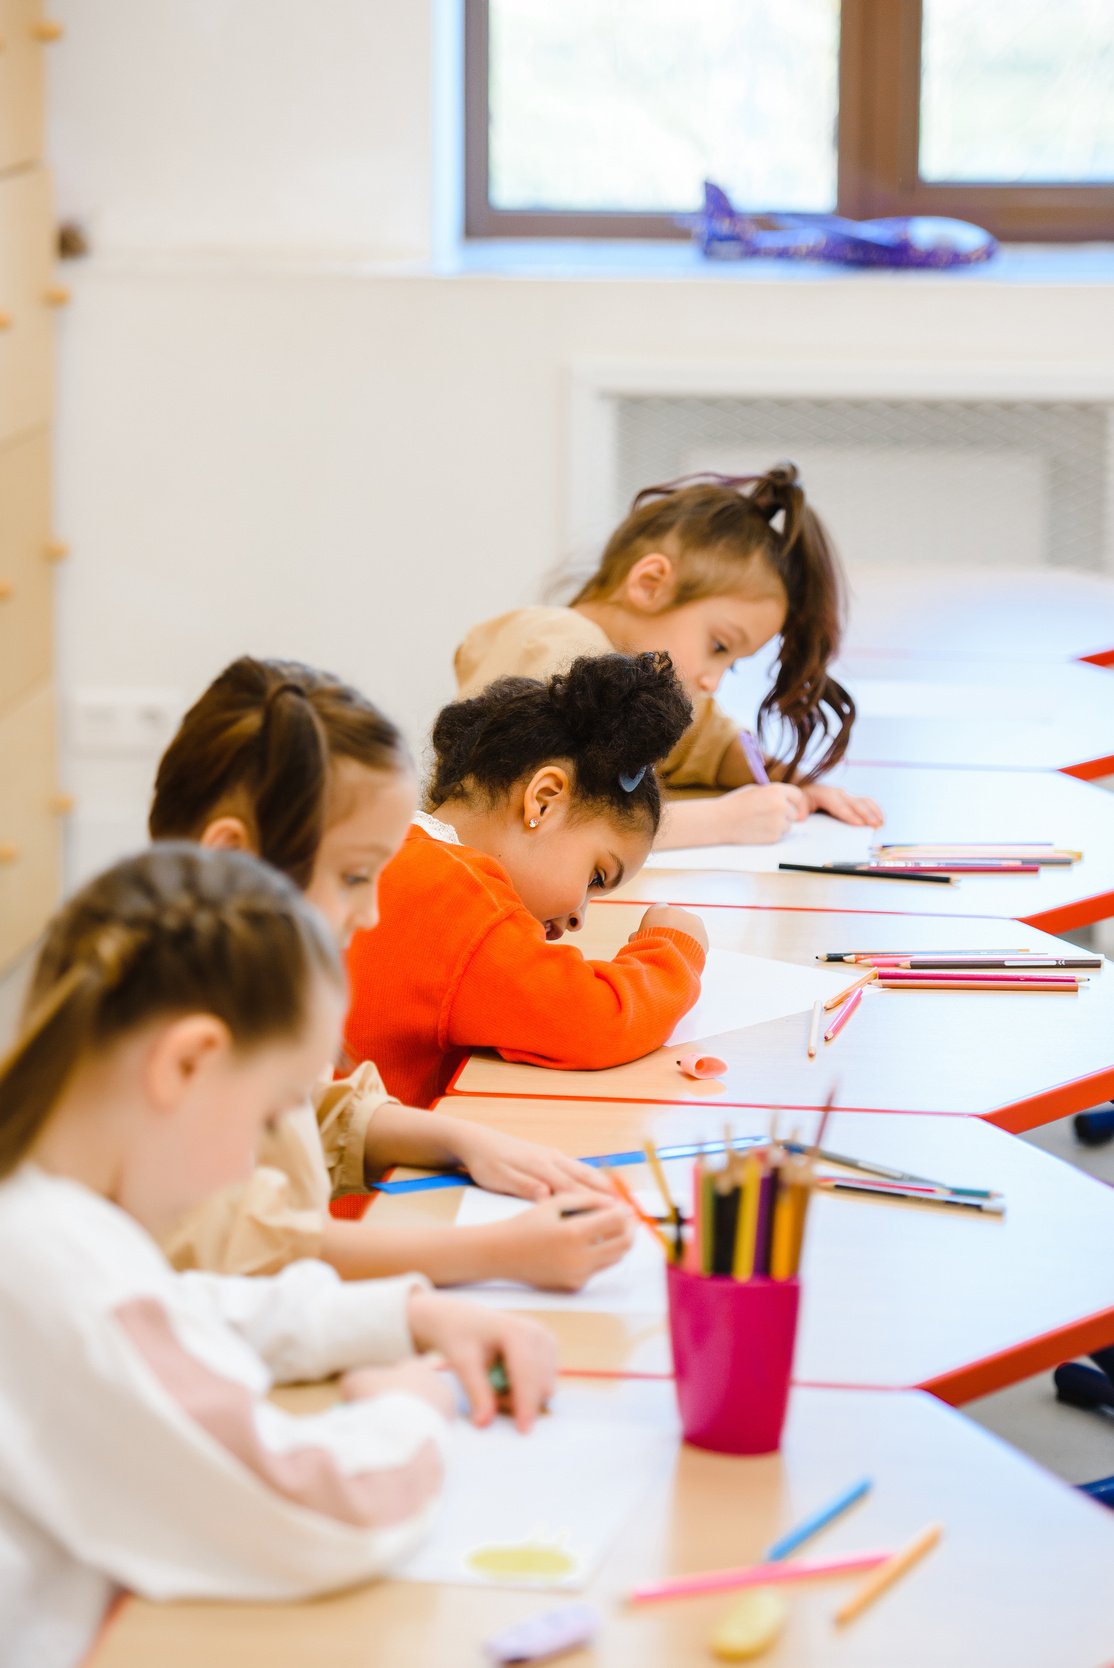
point(974, 963)
point(814, 1028)
point(849, 990)
point(890, 1571)
point(867, 874)
point(914, 1195)
point(843, 1016)
point(866, 956)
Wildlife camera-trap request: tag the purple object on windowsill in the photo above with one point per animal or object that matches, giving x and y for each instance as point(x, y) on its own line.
point(724, 233)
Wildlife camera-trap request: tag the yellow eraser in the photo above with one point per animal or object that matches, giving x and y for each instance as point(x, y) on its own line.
point(750, 1626)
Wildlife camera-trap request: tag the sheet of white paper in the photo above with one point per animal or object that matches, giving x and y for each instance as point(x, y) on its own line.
point(818, 839)
point(634, 1286)
point(551, 1503)
point(738, 991)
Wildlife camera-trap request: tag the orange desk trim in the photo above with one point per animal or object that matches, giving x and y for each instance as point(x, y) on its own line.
point(1010, 1366)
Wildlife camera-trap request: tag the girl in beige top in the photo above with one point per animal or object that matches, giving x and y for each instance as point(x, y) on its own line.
point(299, 768)
point(698, 568)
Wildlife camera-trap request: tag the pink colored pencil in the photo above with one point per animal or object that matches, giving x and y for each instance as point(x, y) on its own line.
point(974, 975)
point(758, 1575)
point(843, 1016)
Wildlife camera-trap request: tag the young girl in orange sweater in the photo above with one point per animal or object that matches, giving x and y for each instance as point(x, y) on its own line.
point(296, 766)
point(711, 569)
point(544, 796)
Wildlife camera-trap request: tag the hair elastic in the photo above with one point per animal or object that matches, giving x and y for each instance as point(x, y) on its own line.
point(630, 779)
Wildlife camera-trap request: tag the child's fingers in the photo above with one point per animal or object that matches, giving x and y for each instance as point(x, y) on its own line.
point(530, 1356)
point(470, 1364)
point(575, 1174)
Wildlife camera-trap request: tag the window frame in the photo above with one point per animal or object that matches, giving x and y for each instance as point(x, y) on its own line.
point(877, 151)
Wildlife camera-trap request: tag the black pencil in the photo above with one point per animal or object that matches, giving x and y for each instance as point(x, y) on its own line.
point(866, 874)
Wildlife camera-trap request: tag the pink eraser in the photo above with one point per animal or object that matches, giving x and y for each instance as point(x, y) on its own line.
point(547, 1635)
point(702, 1065)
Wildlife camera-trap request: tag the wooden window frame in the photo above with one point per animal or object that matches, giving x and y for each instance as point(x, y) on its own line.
point(878, 142)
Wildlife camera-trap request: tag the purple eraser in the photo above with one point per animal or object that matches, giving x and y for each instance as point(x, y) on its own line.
point(547, 1635)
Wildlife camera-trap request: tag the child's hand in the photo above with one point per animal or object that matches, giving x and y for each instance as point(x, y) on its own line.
point(838, 803)
point(561, 1252)
point(506, 1164)
point(668, 916)
point(416, 1378)
point(760, 816)
point(472, 1339)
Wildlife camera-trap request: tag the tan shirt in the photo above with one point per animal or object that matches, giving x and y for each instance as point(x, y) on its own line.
point(278, 1215)
point(537, 642)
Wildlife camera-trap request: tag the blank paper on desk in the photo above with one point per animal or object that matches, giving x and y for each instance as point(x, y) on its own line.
point(538, 1511)
point(737, 991)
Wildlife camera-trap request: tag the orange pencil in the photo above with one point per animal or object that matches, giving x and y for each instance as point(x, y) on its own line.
point(628, 1198)
point(849, 990)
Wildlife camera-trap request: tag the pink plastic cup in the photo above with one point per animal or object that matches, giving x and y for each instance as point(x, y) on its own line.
point(732, 1357)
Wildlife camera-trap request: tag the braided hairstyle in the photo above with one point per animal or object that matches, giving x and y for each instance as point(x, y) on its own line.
point(174, 930)
point(719, 531)
point(611, 716)
point(263, 735)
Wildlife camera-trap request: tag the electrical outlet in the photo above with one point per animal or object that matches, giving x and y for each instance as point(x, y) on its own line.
point(119, 723)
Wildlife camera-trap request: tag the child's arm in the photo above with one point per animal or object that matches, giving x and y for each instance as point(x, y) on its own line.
point(364, 1131)
point(540, 1247)
point(504, 1163)
point(548, 1005)
point(750, 816)
point(160, 1461)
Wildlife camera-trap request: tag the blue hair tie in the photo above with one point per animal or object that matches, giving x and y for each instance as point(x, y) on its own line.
point(630, 779)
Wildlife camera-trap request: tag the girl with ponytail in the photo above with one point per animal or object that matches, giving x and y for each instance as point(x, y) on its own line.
point(290, 763)
point(712, 568)
point(544, 795)
point(181, 1002)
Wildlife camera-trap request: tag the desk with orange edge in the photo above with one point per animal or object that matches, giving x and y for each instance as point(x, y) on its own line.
point(897, 1295)
point(1017, 1060)
point(1021, 1575)
point(925, 803)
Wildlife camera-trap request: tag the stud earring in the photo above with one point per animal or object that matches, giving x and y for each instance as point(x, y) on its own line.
point(533, 822)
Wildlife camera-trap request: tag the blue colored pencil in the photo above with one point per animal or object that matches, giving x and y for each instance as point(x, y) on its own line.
point(819, 1520)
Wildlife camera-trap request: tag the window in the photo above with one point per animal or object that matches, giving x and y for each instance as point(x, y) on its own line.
point(601, 118)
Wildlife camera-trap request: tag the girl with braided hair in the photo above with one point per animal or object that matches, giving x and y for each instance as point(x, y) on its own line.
point(711, 568)
point(293, 764)
point(182, 1001)
point(544, 796)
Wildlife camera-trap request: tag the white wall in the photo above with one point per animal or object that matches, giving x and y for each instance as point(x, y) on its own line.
point(269, 439)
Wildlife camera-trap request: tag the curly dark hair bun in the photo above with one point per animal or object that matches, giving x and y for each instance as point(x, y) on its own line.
point(612, 716)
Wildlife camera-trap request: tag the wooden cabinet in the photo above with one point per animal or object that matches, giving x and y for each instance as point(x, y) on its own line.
point(31, 807)
point(22, 63)
point(31, 816)
point(26, 567)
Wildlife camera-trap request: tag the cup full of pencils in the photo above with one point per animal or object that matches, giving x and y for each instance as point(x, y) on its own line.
point(734, 1291)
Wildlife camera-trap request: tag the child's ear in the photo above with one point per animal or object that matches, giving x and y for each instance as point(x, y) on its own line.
point(226, 834)
point(180, 1050)
point(650, 583)
point(547, 788)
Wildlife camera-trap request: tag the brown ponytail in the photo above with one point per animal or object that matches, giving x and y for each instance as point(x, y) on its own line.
point(719, 531)
point(175, 930)
point(263, 737)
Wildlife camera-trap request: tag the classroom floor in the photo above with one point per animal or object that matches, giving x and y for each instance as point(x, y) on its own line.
point(1076, 1446)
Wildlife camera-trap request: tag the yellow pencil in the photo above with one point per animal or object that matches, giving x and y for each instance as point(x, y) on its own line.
point(781, 1246)
point(835, 1001)
point(886, 1574)
point(746, 1226)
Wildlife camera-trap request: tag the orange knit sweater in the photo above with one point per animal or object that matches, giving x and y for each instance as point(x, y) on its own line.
point(456, 962)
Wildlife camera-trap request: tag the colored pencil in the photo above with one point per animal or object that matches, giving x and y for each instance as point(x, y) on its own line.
point(1029, 986)
point(814, 1028)
point(848, 990)
point(754, 1165)
point(889, 1572)
point(1000, 976)
point(759, 1575)
point(843, 1016)
point(794, 1538)
point(896, 954)
point(885, 1173)
point(928, 963)
point(905, 865)
point(757, 763)
point(866, 874)
point(628, 1198)
point(915, 1195)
